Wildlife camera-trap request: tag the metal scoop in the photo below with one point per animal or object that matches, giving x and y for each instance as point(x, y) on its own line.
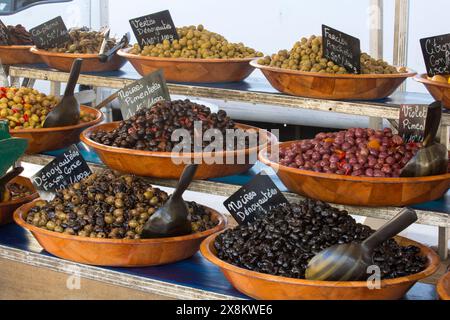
point(173, 218)
point(123, 43)
point(67, 111)
point(349, 262)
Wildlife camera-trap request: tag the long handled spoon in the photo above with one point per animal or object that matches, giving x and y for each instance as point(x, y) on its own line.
point(105, 56)
point(349, 262)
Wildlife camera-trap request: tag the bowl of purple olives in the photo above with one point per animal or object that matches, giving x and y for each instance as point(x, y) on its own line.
point(354, 167)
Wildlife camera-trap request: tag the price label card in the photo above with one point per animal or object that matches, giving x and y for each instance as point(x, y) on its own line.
point(436, 53)
point(143, 93)
point(4, 34)
point(50, 34)
point(342, 49)
point(412, 123)
point(154, 28)
point(257, 197)
point(66, 169)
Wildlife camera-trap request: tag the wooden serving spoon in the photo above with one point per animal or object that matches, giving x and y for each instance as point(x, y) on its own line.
point(173, 218)
point(67, 111)
point(349, 262)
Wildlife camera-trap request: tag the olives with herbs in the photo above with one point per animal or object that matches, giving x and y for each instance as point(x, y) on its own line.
point(197, 43)
point(283, 241)
point(307, 55)
point(108, 205)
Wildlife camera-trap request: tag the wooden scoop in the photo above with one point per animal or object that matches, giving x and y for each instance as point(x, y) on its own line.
point(432, 159)
point(349, 262)
point(173, 218)
point(67, 111)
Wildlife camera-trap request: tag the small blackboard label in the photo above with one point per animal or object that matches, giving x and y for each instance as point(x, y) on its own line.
point(50, 34)
point(412, 123)
point(66, 169)
point(4, 34)
point(154, 28)
point(257, 197)
point(436, 53)
point(143, 93)
point(342, 49)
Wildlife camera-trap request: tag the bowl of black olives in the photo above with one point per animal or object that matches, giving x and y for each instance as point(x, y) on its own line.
point(267, 259)
point(18, 192)
point(99, 221)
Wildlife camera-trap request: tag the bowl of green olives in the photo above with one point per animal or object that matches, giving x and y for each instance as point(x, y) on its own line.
point(18, 192)
point(198, 56)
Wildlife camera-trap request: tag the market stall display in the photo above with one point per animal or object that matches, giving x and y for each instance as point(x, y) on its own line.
point(437, 86)
point(15, 49)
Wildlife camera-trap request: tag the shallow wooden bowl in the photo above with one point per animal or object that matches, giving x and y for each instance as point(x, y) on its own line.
point(192, 70)
point(267, 287)
point(443, 287)
point(117, 252)
point(162, 164)
point(47, 139)
point(333, 86)
point(11, 55)
point(439, 91)
point(359, 191)
point(7, 208)
point(91, 63)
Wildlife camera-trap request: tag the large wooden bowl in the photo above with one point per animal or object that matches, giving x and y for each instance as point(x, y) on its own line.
point(7, 208)
point(440, 91)
point(47, 139)
point(192, 70)
point(11, 55)
point(162, 164)
point(359, 191)
point(91, 63)
point(267, 287)
point(333, 86)
point(118, 252)
point(443, 287)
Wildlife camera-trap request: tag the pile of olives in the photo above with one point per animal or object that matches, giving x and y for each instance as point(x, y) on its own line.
point(18, 35)
point(284, 240)
point(84, 41)
point(27, 108)
point(197, 43)
point(307, 55)
point(108, 205)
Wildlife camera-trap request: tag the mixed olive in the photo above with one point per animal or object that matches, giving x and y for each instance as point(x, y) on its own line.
point(18, 35)
point(283, 241)
point(307, 55)
point(84, 41)
point(15, 191)
point(108, 205)
point(197, 43)
point(27, 108)
point(355, 152)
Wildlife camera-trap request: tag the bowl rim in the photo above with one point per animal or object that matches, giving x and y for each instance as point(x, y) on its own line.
point(42, 52)
point(18, 213)
point(262, 156)
point(422, 78)
point(410, 73)
point(98, 118)
point(22, 181)
point(432, 267)
point(85, 137)
point(443, 293)
point(125, 53)
point(24, 47)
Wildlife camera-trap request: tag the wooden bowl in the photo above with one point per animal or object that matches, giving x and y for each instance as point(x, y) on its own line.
point(267, 287)
point(117, 252)
point(7, 208)
point(192, 70)
point(11, 55)
point(359, 191)
point(333, 86)
point(161, 164)
point(91, 63)
point(47, 139)
point(440, 91)
point(443, 287)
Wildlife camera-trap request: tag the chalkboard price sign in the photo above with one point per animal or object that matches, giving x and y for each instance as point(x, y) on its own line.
point(4, 34)
point(342, 49)
point(143, 93)
point(66, 169)
point(257, 197)
point(154, 28)
point(50, 34)
point(436, 53)
point(412, 123)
